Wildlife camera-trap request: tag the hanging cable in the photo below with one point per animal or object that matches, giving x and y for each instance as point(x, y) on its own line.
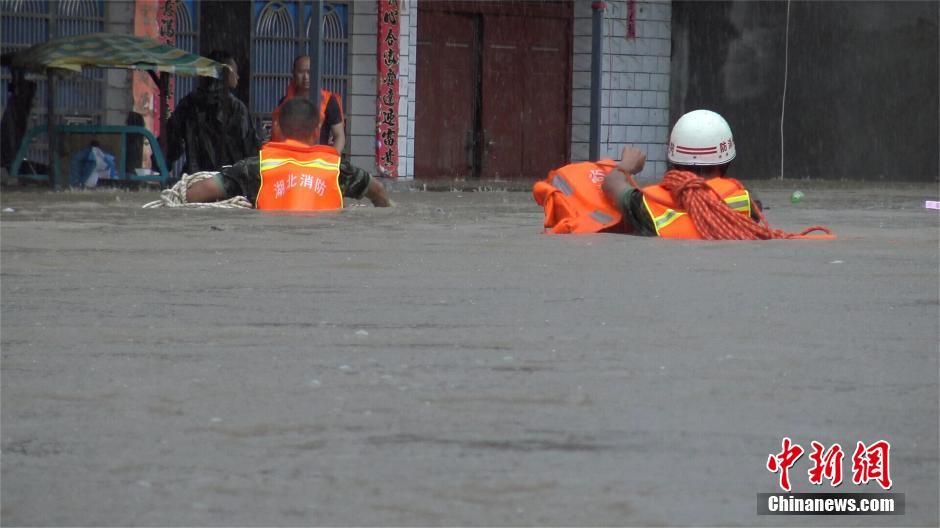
point(786, 66)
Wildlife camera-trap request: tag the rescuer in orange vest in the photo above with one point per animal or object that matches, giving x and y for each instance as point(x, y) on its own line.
point(332, 120)
point(701, 145)
point(295, 174)
point(694, 200)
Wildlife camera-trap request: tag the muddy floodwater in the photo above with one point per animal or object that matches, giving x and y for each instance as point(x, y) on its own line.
point(444, 363)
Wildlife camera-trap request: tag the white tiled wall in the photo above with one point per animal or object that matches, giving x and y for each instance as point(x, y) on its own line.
point(406, 90)
point(360, 111)
point(119, 19)
point(635, 82)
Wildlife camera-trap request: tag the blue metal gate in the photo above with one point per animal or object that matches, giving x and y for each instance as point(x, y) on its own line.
point(281, 31)
point(79, 98)
point(187, 38)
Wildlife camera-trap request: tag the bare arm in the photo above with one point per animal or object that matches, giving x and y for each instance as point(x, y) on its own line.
point(205, 191)
point(632, 161)
point(376, 194)
point(338, 131)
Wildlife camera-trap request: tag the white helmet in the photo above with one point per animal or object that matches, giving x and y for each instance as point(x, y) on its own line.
point(701, 137)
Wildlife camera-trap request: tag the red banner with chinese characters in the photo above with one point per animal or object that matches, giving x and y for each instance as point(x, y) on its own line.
point(386, 119)
point(155, 19)
point(631, 19)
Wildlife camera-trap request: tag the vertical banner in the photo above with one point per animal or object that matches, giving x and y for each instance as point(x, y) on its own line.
point(155, 19)
point(631, 19)
point(386, 121)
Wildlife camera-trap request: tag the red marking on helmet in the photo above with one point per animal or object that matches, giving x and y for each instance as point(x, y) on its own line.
point(694, 150)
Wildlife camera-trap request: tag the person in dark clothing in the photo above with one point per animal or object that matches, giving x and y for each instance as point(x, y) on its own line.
point(211, 126)
point(15, 116)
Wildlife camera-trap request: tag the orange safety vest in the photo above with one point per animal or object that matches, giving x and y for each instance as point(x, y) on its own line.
point(573, 199)
point(672, 222)
point(299, 177)
point(291, 93)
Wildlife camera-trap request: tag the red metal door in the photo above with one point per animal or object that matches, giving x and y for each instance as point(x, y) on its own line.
point(525, 96)
point(445, 115)
point(503, 97)
point(547, 101)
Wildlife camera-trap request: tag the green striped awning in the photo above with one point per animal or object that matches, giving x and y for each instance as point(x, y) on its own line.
point(105, 50)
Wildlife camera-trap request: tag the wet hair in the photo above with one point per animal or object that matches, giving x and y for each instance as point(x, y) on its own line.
point(299, 118)
point(221, 56)
point(297, 59)
point(220, 84)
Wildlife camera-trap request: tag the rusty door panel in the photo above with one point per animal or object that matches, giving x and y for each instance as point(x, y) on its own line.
point(525, 96)
point(446, 93)
point(493, 90)
point(546, 111)
point(503, 95)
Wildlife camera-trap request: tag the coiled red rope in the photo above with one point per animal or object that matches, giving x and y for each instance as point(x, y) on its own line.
point(715, 220)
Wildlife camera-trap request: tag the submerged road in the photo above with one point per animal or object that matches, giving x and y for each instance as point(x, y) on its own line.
point(444, 363)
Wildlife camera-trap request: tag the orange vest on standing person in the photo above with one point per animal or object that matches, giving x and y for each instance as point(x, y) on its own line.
point(291, 93)
point(573, 199)
point(672, 222)
point(299, 177)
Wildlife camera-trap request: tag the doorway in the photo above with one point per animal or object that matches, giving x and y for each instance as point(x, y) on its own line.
point(493, 97)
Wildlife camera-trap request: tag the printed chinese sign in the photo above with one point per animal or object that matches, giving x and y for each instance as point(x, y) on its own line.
point(631, 20)
point(869, 463)
point(386, 122)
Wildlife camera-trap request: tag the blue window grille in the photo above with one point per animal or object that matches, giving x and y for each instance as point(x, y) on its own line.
point(79, 98)
point(187, 38)
point(335, 35)
point(280, 32)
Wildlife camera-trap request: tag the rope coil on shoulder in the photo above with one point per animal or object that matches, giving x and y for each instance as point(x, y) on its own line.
point(176, 195)
point(715, 220)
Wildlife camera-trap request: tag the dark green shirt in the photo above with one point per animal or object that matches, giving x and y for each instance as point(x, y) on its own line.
point(244, 179)
point(636, 218)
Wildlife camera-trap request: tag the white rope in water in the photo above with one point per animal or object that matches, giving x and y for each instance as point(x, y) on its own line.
point(176, 195)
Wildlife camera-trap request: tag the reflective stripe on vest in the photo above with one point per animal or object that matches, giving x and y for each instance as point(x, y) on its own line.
point(561, 184)
point(298, 177)
point(573, 199)
point(269, 164)
point(602, 217)
point(670, 222)
point(666, 218)
point(739, 202)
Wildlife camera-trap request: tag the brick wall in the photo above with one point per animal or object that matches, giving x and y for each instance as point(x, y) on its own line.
point(360, 109)
point(635, 82)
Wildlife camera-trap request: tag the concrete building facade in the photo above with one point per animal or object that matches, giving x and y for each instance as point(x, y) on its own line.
point(659, 59)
